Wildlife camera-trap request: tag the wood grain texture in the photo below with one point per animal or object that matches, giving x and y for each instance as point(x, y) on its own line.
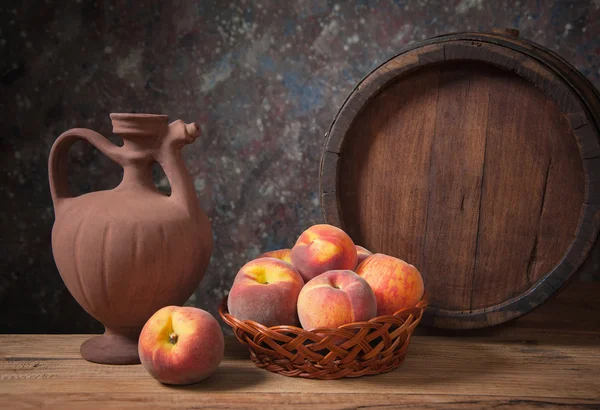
point(492, 206)
point(454, 193)
point(293, 400)
point(532, 193)
point(547, 359)
point(375, 167)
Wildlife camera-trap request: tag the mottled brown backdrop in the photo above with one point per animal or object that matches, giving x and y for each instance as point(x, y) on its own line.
point(262, 78)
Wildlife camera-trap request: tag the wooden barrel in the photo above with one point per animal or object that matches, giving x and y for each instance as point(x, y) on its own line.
point(475, 157)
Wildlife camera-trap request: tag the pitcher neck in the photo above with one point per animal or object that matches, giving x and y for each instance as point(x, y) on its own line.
point(141, 144)
point(138, 175)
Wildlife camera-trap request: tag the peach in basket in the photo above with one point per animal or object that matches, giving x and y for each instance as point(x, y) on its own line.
point(396, 284)
point(322, 248)
point(283, 254)
point(361, 254)
point(265, 290)
point(335, 298)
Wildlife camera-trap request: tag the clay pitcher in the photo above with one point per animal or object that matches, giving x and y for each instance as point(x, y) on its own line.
point(126, 252)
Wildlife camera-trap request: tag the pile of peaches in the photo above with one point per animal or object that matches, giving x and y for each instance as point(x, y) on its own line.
point(324, 281)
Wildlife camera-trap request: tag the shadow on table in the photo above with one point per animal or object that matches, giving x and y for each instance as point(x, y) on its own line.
point(448, 368)
point(228, 377)
point(236, 350)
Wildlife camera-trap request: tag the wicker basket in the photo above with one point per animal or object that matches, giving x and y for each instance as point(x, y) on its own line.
point(352, 350)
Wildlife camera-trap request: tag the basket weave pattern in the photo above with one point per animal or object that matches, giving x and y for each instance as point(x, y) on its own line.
point(352, 350)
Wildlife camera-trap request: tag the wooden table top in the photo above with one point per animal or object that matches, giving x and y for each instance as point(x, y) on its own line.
point(549, 358)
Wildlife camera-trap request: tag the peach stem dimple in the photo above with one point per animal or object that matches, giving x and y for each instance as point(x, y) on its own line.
point(173, 338)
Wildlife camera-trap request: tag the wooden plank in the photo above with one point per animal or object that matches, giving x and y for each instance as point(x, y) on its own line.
point(179, 398)
point(435, 365)
point(515, 169)
point(330, 208)
point(455, 189)
point(389, 145)
point(520, 205)
point(329, 171)
point(562, 198)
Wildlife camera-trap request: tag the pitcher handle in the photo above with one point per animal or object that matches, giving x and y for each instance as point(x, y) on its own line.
point(58, 161)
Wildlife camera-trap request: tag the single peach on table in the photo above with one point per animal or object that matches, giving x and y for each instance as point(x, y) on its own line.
point(181, 345)
point(283, 254)
point(335, 298)
point(266, 290)
point(396, 284)
point(322, 248)
point(362, 254)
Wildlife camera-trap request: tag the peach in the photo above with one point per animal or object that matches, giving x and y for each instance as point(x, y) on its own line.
point(362, 254)
point(283, 254)
point(396, 284)
point(335, 298)
point(266, 290)
point(322, 248)
point(181, 345)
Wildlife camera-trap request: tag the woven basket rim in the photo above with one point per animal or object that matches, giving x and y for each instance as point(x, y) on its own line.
point(232, 321)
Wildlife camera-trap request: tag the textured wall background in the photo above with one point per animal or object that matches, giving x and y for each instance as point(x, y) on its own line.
point(262, 78)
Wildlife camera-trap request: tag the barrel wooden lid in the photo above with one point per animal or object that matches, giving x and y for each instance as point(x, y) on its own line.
point(476, 158)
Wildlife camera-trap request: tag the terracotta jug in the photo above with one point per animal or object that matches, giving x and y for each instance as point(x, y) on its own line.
point(126, 252)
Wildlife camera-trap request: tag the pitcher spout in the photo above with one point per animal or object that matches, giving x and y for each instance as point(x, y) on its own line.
point(193, 130)
point(181, 134)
